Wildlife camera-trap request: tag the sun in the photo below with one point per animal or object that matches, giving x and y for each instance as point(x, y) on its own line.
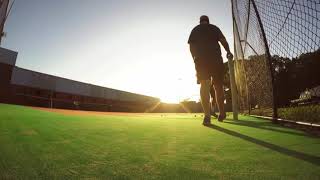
point(179, 92)
point(170, 100)
point(171, 82)
point(172, 92)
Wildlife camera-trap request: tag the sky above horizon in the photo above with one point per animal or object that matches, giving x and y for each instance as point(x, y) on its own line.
point(137, 46)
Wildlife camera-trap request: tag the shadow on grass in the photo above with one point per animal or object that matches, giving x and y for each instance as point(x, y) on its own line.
point(263, 125)
point(299, 155)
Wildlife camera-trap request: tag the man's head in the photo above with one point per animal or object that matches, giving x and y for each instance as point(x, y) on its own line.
point(204, 19)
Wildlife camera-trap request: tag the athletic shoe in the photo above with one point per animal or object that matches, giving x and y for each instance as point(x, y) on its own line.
point(206, 121)
point(222, 117)
point(214, 114)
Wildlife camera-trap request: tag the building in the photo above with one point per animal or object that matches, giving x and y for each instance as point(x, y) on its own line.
point(26, 87)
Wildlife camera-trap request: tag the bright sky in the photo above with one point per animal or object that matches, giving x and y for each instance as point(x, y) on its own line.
point(138, 46)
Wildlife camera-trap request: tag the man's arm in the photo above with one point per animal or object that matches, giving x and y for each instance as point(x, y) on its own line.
point(225, 44)
point(192, 50)
point(192, 43)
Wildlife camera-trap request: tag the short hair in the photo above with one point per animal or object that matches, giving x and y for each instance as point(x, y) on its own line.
point(204, 18)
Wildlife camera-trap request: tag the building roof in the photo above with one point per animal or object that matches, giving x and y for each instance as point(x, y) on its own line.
point(39, 80)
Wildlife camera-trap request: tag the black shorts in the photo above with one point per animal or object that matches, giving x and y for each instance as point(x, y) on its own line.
point(210, 69)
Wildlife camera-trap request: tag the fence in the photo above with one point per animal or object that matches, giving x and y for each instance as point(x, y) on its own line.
point(277, 56)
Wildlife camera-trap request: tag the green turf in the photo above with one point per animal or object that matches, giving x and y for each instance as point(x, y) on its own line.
point(42, 145)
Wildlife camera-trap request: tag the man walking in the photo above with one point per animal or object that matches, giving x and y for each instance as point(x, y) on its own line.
point(205, 50)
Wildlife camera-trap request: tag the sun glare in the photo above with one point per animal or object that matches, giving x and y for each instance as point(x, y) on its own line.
point(176, 92)
point(170, 100)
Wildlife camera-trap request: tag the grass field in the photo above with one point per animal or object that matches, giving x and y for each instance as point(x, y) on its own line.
point(37, 144)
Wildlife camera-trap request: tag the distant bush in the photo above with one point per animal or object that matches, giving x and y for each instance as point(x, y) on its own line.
point(262, 112)
point(308, 113)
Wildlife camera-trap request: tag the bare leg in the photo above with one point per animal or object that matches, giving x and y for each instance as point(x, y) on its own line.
point(205, 96)
point(220, 101)
point(213, 107)
point(213, 101)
